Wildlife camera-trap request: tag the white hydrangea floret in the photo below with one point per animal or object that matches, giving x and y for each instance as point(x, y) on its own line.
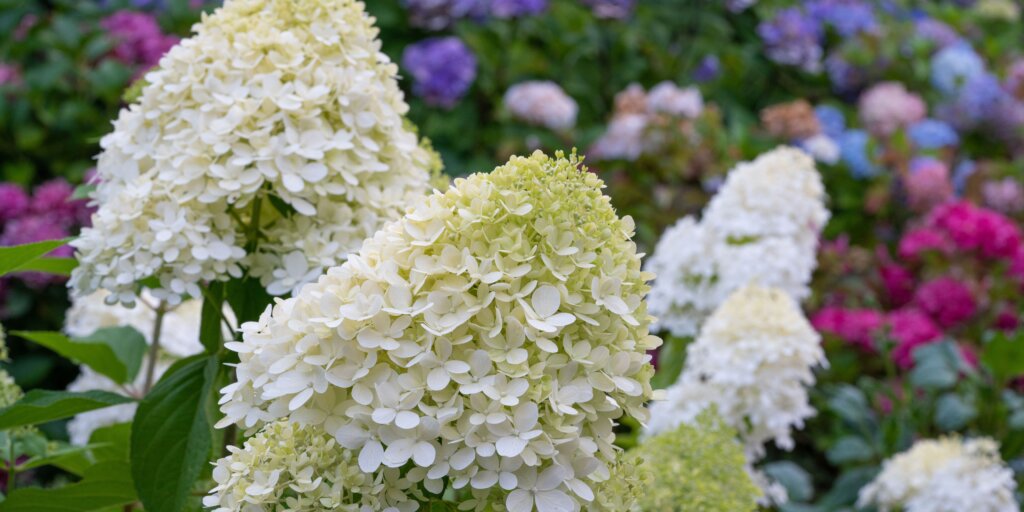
point(944, 475)
point(752, 362)
point(542, 103)
point(487, 341)
point(272, 141)
point(762, 226)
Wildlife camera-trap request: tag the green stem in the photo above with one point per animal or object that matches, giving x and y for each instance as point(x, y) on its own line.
point(12, 468)
point(154, 347)
point(253, 233)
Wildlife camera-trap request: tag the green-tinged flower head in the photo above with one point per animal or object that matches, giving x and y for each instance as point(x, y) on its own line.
point(287, 467)
point(696, 467)
point(628, 480)
point(485, 344)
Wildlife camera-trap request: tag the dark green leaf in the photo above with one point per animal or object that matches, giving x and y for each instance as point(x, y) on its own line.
point(171, 439)
point(953, 413)
point(1004, 356)
point(671, 357)
point(210, 330)
point(116, 352)
point(793, 477)
point(40, 406)
point(54, 457)
point(105, 485)
point(849, 449)
point(936, 366)
point(15, 257)
point(248, 299)
point(111, 443)
point(850, 404)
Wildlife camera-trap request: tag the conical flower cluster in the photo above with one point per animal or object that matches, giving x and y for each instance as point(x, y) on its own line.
point(486, 344)
point(761, 227)
point(272, 141)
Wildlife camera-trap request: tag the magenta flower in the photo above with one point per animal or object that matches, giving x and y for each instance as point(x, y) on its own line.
point(140, 41)
point(921, 240)
point(973, 228)
point(14, 200)
point(855, 326)
point(910, 328)
point(898, 283)
point(947, 300)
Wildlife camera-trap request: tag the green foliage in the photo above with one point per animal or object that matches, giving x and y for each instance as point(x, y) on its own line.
point(39, 406)
point(13, 258)
point(171, 439)
point(112, 351)
point(698, 467)
point(104, 485)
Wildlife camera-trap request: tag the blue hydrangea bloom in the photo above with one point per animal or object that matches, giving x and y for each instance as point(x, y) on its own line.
point(708, 69)
point(932, 134)
point(848, 17)
point(793, 38)
point(831, 119)
point(961, 173)
point(441, 14)
point(853, 151)
point(517, 8)
point(953, 66)
point(844, 76)
point(442, 69)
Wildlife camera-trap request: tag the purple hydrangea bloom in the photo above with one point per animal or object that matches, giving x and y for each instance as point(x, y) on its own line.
point(14, 202)
point(932, 134)
point(708, 69)
point(140, 41)
point(978, 101)
point(441, 14)
point(848, 17)
point(53, 198)
point(831, 119)
point(936, 31)
point(953, 66)
point(611, 9)
point(853, 150)
point(739, 5)
point(793, 38)
point(442, 69)
point(844, 76)
point(517, 8)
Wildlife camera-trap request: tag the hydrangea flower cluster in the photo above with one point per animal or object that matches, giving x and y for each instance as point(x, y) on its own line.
point(179, 338)
point(628, 135)
point(277, 156)
point(793, 38)
point(888, 106)
point(611, 9)
point(762, 226)
point(753, 363)
point(441, 14)
point(696, 467)
point(442, 69)
point(9, 390)
point(944, 475)
point(139, 40)
point(487, 341)
point(542, 103)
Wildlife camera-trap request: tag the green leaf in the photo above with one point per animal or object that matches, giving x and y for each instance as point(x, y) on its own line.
point(105, 485)
point(936, 366)
point(210, 332)
point(850, 404)
point(111, 443)
point(15, 257)
point(953, 413)
point(671, 357)
point(40, 406)
point(1004, 356)
point(55, 456)
point(56, 266)
point(849, 449)
point(116, 352)
point(793, 477)
point(248, 299)
point(171, 438)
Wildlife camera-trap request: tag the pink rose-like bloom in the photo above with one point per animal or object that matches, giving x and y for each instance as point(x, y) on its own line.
point(856, 326)
point(947, 300)
point(13, 202)
point(921, 240)
point(898, 283)
point(888, 106)
point(1005, 195)
point(910, 328)
point(140, 42)
point(974, 228)
point(928, 184)
point(1007, 320)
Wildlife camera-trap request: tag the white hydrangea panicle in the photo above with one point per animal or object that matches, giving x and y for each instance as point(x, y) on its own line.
point(179, 338)
point(279, 121)
point(489, 339)
point(944, 475)
point(752, 362)
point(761, 227)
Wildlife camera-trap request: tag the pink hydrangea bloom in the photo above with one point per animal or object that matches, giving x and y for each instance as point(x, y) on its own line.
point(971, 227)
point(888, 106)
point(856, 326)
point(898, 283)
point(910, 328)
point(9, 74)
point(1005, 195)
point(927, 184)
point(13, 201)
point(140, 41)
point(947, 300)
point(921, 240)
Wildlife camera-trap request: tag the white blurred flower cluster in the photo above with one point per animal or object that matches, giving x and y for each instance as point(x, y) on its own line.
point(272, 141)
point(542, 103)
point(753, 362)
point(179, 338)
point(944, 475)
point(629, 133)
point(761, 227)
point(487, 341)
